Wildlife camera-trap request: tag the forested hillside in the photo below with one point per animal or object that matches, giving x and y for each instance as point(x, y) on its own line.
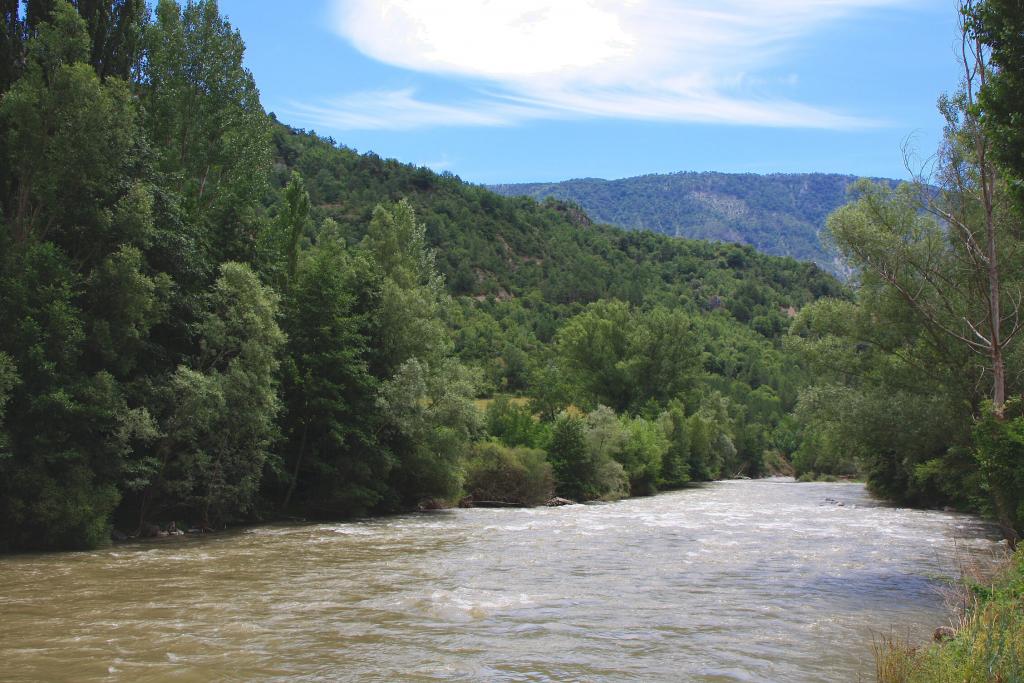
point(491, 245)
point(780, 214)
point(209, 317)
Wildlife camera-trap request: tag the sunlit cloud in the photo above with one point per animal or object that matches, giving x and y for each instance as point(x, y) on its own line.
point(659, 60)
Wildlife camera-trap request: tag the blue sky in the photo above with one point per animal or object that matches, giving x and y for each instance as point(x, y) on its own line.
point(542, 90)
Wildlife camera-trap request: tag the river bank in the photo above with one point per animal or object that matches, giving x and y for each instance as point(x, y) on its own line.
point(985, 643)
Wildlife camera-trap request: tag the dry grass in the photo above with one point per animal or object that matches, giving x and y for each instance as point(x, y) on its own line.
point(895, 658)
point(482, 404)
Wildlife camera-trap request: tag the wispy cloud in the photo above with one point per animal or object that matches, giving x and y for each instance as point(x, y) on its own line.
point(660, 60)
point(402, 110)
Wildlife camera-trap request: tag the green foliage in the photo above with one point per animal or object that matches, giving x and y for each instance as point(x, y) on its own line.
point(221, 407)
point(114, 42)
point(426, 398)
point(518, 476)
point(623, 358)
point(642, 454)
point(582, 462)
point(1000, 453)
point(12, 42)
point(124, 303)
point(8, 380)
point(1000, 25)
point(675, 462)
point(895, 397)
point(205, 120)
point(333, 463)
point(67, 429)
point(190, 332)
point(291, 227)
point(513, 424)
point(68, 146)
point(705, 460)
point(430, 419)
point(538, 256)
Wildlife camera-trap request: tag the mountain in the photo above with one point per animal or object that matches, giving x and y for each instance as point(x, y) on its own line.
point(778, 214)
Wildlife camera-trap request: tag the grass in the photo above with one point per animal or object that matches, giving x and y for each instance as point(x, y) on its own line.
point(988, 645)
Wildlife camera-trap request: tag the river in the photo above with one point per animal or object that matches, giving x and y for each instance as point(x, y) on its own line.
point(735, 581)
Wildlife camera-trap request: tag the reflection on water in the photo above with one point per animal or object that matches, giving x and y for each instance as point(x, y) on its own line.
point(736, 581)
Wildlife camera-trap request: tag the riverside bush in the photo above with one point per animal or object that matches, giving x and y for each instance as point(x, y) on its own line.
point(518, 476)
point(583, 469)
point(1000, 454)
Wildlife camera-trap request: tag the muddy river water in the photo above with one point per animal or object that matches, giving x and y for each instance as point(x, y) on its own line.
point(735, 581)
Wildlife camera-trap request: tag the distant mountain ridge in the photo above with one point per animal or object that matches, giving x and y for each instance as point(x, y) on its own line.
point(779, 214)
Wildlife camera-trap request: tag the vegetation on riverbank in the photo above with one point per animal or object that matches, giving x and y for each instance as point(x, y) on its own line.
point(986, 645)
point(916, 377)
point(209, 317)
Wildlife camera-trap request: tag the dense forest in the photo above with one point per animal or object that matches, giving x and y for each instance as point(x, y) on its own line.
point(208, 317)
point(781, 214)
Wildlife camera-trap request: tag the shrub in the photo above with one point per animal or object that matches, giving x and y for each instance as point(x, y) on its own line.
point(1000, 453)
point(584, 470)
point(518, 476)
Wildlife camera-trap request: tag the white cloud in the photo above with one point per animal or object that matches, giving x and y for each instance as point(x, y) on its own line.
point(664, 60)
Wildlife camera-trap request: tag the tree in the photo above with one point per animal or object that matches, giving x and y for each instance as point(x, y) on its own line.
point(220, 408)
point(8, 380)
point(518, 476)
point(79, 301)
point(426, 397)
point(675, 464)
point(512, 424)
point(70, 148)
point(333, 464)
point(205, 120)
point(429, 422)
point(998, 25)
point(116, 28)
point(642, 454)
point(595, 349)
point(624, 358)
point(581, 454)
point(409, 318)
point(69, 431)
point(948, 253)
point(115, 31)
point(292, 221)
point(12, 39)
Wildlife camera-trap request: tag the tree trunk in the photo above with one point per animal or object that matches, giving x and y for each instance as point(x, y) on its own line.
point(295, 470)
point(998, 381)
